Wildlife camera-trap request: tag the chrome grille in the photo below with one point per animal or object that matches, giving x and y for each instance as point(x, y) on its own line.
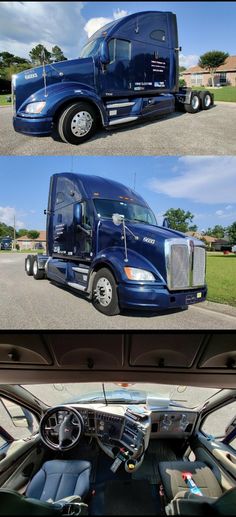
point(199, 259)
point(179, 266)
point(185, 263)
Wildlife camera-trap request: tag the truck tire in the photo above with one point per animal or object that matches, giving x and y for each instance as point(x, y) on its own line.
point(195, 103)
point(105, 298)
point(205, 99)
point(37, 273)
point(29, 265)
point(77, 123)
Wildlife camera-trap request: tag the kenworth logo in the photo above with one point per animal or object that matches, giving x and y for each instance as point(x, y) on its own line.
point(150, 241)
point(31, 76)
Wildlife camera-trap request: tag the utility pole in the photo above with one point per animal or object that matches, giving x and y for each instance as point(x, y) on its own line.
point(14, 238)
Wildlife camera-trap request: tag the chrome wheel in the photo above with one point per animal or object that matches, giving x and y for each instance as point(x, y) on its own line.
point(35, 267)
point(81, 123)
point(195, 102)
point(103, 292)
point(207, 101)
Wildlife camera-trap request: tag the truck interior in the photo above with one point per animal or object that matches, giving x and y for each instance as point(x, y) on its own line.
point(117, 424)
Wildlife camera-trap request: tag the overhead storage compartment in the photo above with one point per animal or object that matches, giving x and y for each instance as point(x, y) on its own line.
point(220, 352)
point(164, 350)
point(23, 349)
point(87, 351)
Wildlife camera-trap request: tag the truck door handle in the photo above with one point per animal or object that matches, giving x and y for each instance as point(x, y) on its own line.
point(231, 458)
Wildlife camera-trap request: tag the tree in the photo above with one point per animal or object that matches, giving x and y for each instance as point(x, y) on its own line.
point(217, 231)
point(179, 219)
point(6, 231)
point(232, 233)
point(192, 228)
point(6, 59)
point(212, 60)
point(40, 54)
point(57, 54)
point(22, 232)
point(33, 234)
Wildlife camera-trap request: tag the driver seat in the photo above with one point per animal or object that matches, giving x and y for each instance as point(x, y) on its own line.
point(58, 479)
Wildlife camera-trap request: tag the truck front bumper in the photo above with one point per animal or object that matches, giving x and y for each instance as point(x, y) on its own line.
point(33, 126)
point(157, 297)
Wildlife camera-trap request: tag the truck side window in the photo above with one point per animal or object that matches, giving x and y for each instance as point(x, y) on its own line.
point(158, 35)
point(119, 49)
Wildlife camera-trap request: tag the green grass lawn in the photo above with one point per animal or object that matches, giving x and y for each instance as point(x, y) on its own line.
point(221, 278)
point(3, 100)
point(23, 251)
point(227, 93)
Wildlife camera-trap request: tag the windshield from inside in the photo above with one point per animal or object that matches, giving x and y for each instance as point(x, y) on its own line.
point(91, 48)
point(131, 211)
point(130, 393)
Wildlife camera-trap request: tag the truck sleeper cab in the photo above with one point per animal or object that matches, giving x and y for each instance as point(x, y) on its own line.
point(127, 70)
point(103, 241)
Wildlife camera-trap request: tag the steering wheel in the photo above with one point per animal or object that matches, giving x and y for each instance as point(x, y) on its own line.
point(61, 428)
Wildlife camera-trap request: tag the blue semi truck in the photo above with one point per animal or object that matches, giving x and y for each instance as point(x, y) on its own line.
point(128, 70)
point(103, 241)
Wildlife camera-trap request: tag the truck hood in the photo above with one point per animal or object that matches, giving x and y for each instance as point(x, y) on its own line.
point(28, 82)
point(150, 243)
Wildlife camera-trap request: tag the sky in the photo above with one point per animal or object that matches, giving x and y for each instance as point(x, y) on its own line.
point(204, 185)
point(202, 25)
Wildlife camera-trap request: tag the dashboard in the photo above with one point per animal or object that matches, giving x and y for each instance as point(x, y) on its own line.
point(131, 427)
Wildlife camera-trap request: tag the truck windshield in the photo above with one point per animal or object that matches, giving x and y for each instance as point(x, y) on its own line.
point(131, 211)
point(91, 48)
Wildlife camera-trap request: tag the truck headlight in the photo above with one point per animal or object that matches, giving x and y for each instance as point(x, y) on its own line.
point(134, 273)
point(35, 107)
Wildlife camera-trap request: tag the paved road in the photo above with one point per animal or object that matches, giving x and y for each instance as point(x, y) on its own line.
point(205, 133)
point(29, 304)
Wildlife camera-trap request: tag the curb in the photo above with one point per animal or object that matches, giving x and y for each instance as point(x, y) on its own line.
point(221, 308)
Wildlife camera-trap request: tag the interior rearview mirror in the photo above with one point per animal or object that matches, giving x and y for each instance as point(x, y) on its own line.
point(104, 53)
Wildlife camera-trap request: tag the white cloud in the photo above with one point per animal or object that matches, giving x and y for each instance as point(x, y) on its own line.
point(94, 24)
point(187, 61)
point(24, 24)
point(200, 179)
point(7, 214)
point(228, 207)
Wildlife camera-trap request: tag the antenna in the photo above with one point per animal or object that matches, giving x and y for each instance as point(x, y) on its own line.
point(43, 56)
point(134, 181)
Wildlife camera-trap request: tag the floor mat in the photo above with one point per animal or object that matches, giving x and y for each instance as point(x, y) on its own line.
point(131, 498)
point(148, 470)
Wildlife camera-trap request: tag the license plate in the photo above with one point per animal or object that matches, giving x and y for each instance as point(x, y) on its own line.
point(192, 298)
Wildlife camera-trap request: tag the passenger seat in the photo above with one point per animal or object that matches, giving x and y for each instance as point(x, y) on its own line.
point(173, 483)
point(181, 501)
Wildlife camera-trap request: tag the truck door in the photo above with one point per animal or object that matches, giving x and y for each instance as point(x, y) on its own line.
point(83, 227)
point(116, 75)
point(62, 232)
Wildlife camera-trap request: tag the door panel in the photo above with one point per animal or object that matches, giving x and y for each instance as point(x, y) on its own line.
point(216, 455)
point(21, 462)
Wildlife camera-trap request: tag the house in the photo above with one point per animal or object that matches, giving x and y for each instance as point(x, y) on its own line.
point(222, 245)
point(225, 75)
point(207, 239)
point(25, 242)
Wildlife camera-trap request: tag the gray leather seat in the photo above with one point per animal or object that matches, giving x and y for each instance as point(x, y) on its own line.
point(173, 483)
